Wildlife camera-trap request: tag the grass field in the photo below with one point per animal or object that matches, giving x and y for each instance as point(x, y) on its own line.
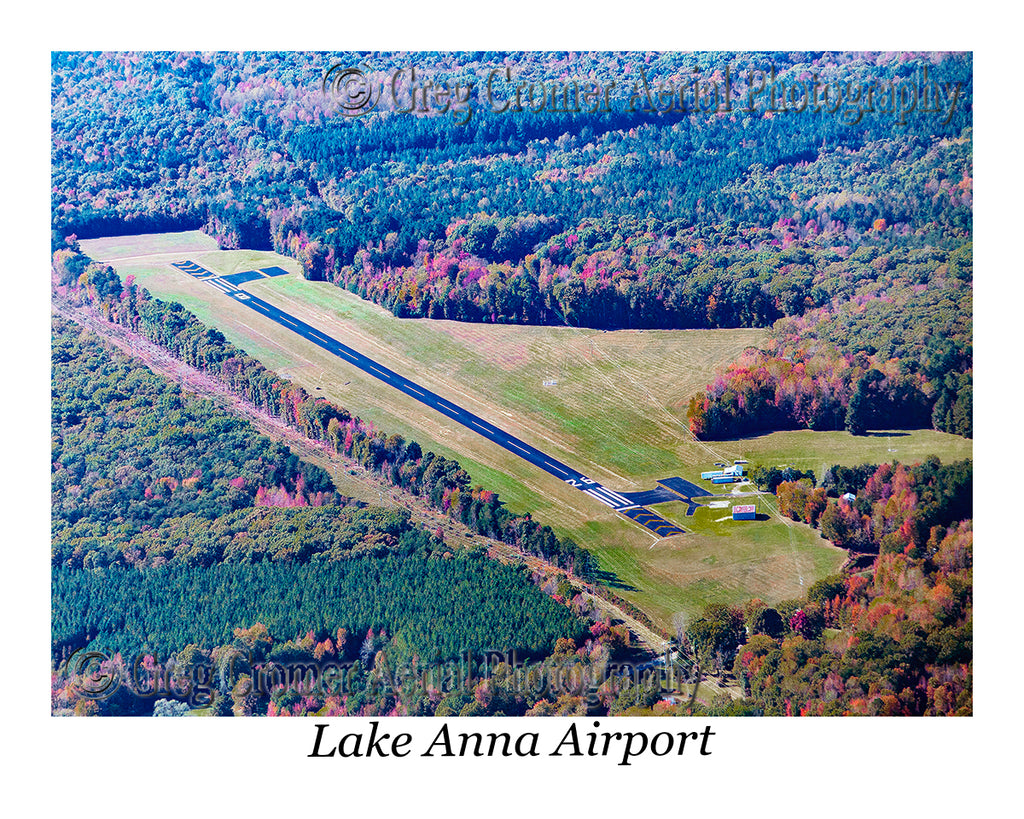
point(617, 413)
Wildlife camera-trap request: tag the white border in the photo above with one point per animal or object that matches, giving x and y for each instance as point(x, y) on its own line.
point(766, 767)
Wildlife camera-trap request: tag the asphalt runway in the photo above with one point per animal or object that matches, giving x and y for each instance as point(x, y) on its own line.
point(624, 504)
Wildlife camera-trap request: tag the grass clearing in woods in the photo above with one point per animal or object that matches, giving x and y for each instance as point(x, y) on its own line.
point(617, 412)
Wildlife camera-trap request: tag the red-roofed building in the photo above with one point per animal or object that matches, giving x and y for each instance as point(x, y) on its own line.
point(744, 512)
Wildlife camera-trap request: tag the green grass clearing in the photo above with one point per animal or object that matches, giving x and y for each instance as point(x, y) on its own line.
point(617, 413)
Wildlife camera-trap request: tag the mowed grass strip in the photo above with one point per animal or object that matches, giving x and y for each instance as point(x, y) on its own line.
point(807, 449)
point(114, 248)
point(723, 560)
point(617, 413)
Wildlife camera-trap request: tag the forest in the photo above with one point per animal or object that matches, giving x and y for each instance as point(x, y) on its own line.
point(850, 237)
point(250, 143)
point(896, 352)
point(825, 226)
point(165, 535)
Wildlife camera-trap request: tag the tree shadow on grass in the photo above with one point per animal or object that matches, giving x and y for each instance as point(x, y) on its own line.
point(611, 581)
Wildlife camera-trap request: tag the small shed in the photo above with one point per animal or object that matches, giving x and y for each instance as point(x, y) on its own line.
point(744, 512)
